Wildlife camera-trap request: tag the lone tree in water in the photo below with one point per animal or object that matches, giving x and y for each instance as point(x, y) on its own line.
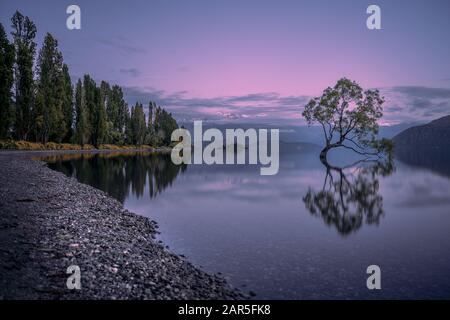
point(349, 119)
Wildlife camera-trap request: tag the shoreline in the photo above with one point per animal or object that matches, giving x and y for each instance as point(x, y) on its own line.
point(49, 222)
point(160, 150)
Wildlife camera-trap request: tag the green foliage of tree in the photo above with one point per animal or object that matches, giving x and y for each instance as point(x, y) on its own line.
point(93, 106)
point(24, 32)
point(128, 127)
point(138, 124)
point(150, 138)
point(164, 124)
point(97, 112)
point(89, 88)
point(82, 131)
point(349, 118)
point(53, 102)
point(116, 112)
point(67, 103)
point(6, 82)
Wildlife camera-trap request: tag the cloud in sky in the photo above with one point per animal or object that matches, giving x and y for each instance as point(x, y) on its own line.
point(415, 103)
point(121, 44)
point(271, 106)
point(133, 72)
point(403, 104)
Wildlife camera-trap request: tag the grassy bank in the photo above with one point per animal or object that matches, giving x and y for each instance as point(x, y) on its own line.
point(27, 145)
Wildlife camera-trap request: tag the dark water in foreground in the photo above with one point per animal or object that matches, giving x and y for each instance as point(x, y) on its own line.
point(303, 233)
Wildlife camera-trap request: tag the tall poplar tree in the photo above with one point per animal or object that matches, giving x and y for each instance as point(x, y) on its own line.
point(82, 132)
point(24, 32)
point(68, 108)
point(6, 82)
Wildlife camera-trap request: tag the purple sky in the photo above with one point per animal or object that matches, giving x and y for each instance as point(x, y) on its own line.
point(255, 60)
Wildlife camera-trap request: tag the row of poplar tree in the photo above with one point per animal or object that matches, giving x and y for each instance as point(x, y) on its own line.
point(40, 103)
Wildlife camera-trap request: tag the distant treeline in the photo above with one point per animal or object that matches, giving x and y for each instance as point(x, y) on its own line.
point(39, 102)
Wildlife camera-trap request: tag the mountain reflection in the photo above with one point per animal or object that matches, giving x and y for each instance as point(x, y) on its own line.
point(350, 195)
point(434, 159)
point(119, 173)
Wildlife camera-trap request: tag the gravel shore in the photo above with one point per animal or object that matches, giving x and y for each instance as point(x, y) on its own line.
point(49, 222)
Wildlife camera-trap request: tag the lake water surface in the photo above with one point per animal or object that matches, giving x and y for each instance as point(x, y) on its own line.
point(303, 233)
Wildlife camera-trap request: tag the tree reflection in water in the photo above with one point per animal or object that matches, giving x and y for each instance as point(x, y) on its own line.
point(350, 195)
point(119, 173)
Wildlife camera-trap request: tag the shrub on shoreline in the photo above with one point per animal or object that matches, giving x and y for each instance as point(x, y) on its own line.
point(34, 146)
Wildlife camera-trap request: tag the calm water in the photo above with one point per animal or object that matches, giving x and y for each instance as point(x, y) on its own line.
point(304, 233)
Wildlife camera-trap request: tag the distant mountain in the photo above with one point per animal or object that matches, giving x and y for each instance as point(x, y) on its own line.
point(435, 134)
point(391, 131)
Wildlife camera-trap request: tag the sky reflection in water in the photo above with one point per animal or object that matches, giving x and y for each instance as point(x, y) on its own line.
point(288, 236)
